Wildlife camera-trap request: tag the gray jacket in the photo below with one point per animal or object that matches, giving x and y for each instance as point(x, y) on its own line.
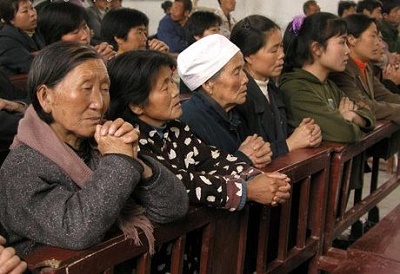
point(40, 204)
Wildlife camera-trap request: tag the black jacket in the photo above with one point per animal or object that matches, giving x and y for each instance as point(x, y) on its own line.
point(266, 119)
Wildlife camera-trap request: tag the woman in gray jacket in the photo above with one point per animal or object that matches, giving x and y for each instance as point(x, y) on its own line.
point(70, 173)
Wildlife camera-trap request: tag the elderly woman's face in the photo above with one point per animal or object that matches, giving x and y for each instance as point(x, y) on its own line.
point(25, 18)
point(163, 103)
point(229, 88)
point(78, 103)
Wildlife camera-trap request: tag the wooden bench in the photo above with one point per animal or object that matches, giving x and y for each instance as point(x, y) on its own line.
point(338, 218)
point(291, 235)
point(19, 81)
point(224, 234)
point(377, 251)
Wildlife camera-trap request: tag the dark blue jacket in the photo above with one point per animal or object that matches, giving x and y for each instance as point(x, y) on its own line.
point(213, 125)
point(266, 119)
point(172, 33)
point(16, 49)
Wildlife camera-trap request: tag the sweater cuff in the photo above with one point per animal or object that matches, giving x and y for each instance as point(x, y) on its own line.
point(243, 199)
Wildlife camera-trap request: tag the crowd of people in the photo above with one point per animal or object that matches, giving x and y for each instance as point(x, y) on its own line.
point(102, 138)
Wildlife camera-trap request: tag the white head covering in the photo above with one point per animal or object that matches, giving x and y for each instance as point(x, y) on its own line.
point(201, 60)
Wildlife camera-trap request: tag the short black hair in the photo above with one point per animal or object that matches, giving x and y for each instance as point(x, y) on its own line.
point(59, 18)
point(200, 21)
point(8, 9)
point(187, 4)
point(358, 23)
point(133, 74)
point(368, 5)
point(389, 5)
point(118, 22)
point(345, 5)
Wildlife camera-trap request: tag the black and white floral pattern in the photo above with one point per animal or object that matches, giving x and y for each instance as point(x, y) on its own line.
point(212, 177)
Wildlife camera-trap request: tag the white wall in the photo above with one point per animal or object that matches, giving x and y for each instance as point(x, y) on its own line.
point(281, 11)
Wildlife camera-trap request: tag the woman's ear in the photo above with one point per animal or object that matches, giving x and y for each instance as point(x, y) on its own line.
point(45, 97)
point(316, 49)
point(136, 109)
point(208, 86)
point(351, 40)
point(249, 59)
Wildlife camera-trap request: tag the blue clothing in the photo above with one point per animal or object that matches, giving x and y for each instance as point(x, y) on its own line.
point(211, 124)
point(16, 49)
point(172, 33)
point(267, 119)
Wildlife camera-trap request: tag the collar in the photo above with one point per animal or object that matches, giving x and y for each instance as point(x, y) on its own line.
point(361, 65)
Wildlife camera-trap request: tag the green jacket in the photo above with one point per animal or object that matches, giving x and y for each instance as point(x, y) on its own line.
point(305, 96)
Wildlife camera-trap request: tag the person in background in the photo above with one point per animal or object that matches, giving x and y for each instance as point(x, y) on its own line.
point(219, 83)
point(10, 263)
point(126, 29)
point(260, 41)
point(346, 8)
point(166, 6)
point(19, 39)
point(372, 8)
point(67, 157)
point(64, 21)
point(171, 27)
point(226, 7)
point(390, 23)
point(310, 7)
point(358, 80)
point(95, 14)
point(201, 24)
point(314, 48)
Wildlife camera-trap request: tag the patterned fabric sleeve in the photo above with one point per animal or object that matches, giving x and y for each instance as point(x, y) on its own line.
point(212, 177)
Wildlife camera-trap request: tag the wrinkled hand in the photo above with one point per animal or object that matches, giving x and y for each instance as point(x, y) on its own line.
point(258, 151)
point(155, 44)
point(117, 137)
point(105, 50)
point(12, 106)
point(307, 134)
point(269, 188)
point(9, 262)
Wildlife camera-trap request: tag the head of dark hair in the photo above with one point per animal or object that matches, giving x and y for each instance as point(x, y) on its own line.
point(59, 18)
point(133, 75)
point(389, 5)
point(187, 4)
point(118, 23)
point(249, 34)
point(200, 21)
point(368, 5)
point(49, 72)
point(308, 4)
point(166, 5)
point(318, 27)
point(345, 5)
point(358, 23)
point(8, 9)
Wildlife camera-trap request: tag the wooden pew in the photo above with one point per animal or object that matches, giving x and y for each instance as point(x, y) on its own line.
point(224, 234)
point(19, 81)
point(291, 235)
point(378, 251)
point(337, 218)
point(103, 257)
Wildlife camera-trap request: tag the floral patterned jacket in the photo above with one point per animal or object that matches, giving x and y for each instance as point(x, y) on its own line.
point(212, 177)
